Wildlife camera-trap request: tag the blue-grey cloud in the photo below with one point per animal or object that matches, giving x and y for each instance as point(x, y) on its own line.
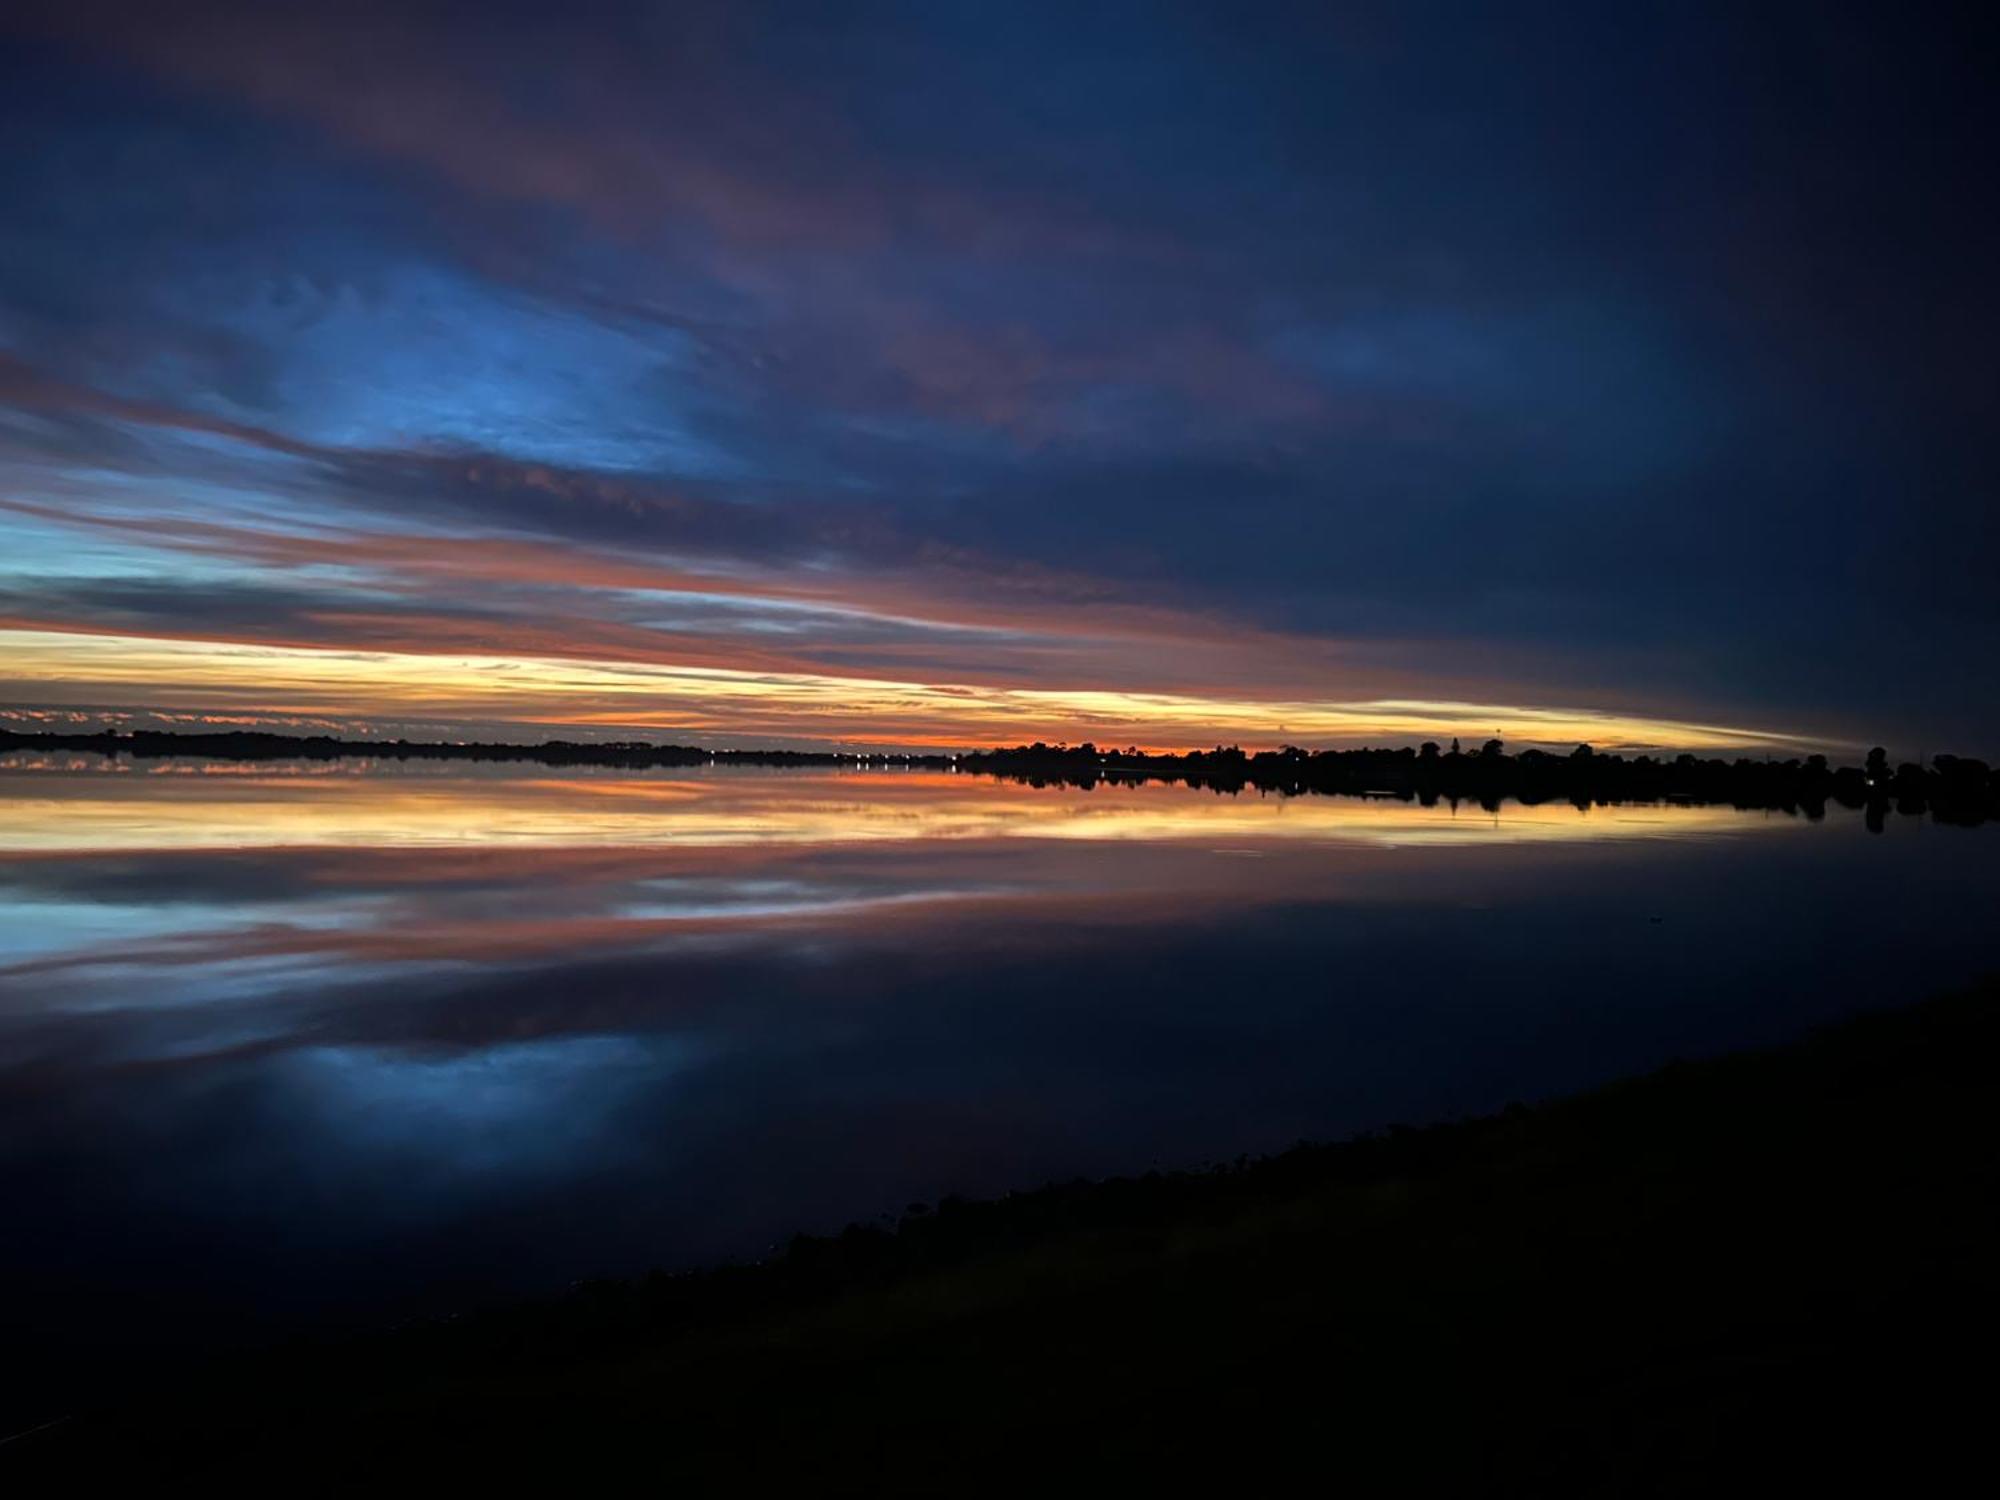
point(1638, 356)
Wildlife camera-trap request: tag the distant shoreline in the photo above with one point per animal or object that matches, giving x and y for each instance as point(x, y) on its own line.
point(1952, 789)
point(257, 745)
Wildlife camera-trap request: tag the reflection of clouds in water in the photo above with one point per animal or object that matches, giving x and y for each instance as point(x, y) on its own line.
point(506, 1067)
point(32, 929)
point(132, 935)
point(168, 967)
point(263, 900)
point(512, 1107)
point(137, 956)
point(60, 810)
point(137, 894)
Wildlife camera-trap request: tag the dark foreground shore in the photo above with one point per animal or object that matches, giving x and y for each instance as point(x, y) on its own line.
point(1767, 1270)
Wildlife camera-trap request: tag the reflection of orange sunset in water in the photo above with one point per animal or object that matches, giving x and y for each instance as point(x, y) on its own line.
point(90, 804)
point(363, 862)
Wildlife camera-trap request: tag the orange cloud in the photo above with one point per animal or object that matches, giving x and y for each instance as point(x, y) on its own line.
point(740, 706)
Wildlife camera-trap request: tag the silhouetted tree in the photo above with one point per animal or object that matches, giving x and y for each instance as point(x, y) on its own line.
point(1954, 789)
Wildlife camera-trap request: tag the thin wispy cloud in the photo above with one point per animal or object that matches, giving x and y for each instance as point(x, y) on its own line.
point(1274, 365)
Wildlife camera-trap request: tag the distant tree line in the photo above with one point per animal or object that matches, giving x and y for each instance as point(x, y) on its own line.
point(252, 745)
point(1950, 788)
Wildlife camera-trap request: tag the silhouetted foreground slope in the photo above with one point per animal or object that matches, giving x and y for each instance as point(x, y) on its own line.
point(1771, 1269)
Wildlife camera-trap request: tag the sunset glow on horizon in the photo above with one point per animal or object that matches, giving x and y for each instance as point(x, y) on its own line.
point(898, 382)
point(720, 706)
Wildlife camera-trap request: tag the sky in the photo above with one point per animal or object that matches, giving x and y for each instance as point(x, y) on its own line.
point(956, 374)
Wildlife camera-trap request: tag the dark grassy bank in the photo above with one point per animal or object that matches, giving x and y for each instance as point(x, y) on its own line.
point(1772, 1268)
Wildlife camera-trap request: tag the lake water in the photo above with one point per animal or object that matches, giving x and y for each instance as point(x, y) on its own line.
point(283, 1044)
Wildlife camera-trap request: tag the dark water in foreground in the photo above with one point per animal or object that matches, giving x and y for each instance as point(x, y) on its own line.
point(279, 1045)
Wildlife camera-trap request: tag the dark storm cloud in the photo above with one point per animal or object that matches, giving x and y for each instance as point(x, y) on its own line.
point(1634, 355)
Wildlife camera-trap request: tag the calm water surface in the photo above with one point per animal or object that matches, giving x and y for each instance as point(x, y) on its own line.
point(280, 1044)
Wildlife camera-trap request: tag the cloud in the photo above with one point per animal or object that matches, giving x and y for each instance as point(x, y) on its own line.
point(1297, 358)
